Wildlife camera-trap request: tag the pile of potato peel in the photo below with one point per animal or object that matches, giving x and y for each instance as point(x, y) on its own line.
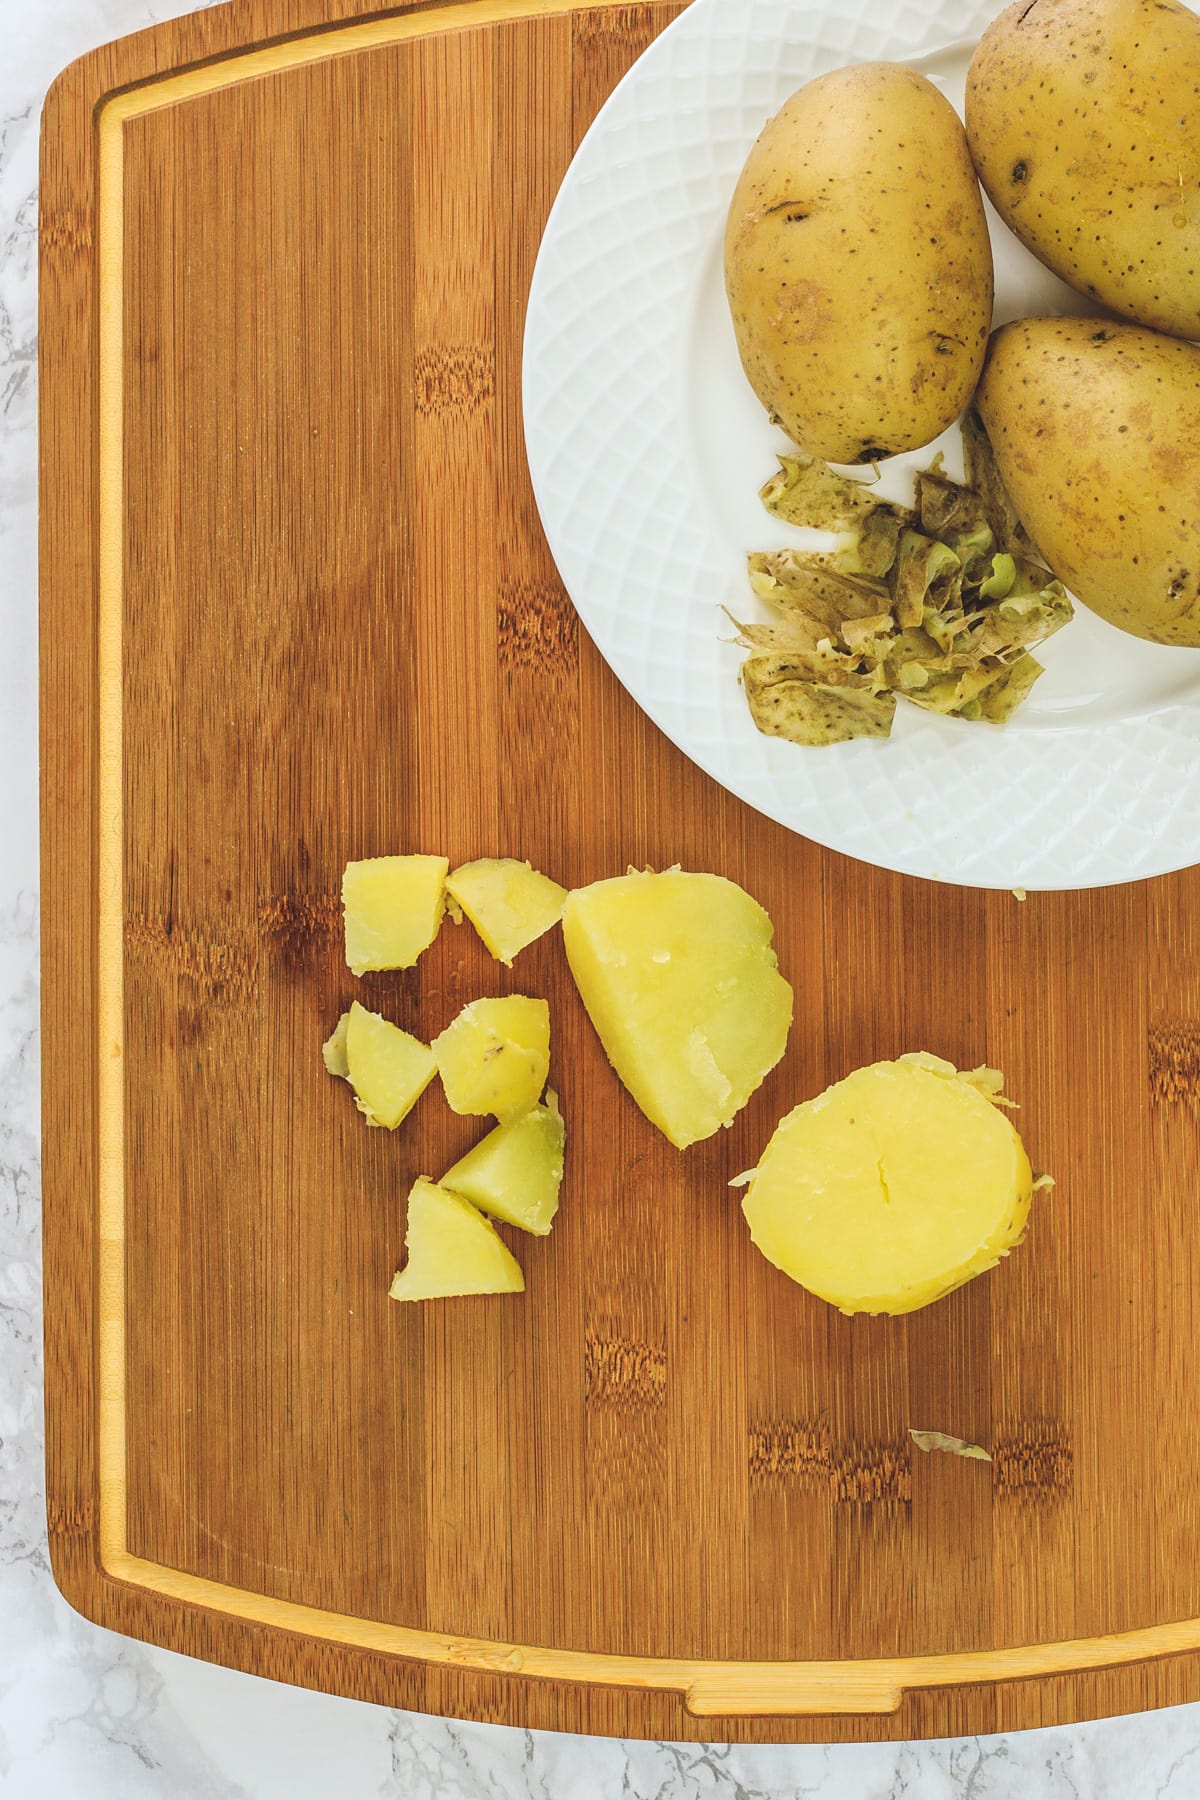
point(941, 604)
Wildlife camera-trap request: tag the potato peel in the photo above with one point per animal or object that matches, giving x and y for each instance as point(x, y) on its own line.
point(787, 701)
point(941, 603)
point(806, 491)
point(954, 1446)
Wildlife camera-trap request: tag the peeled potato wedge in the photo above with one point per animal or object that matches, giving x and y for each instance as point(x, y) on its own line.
point(508, 902)
point(495, 1056)
point(515, 1172)
point(388, 1069)
point(452, 1250)
point(393, 908)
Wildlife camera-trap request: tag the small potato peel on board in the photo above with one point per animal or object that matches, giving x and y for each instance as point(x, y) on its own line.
point(295, 599)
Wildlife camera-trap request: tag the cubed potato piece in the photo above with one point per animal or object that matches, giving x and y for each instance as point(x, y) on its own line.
point(893, 1187)
point(393, 907)
point(388, 1069)
point(333, 1050)
point(508, 902)
point(495, 1056)
point(515, 1172)
point(452, 1249)
point(679, 978)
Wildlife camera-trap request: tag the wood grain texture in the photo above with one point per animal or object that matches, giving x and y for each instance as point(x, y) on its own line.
point(296, 608)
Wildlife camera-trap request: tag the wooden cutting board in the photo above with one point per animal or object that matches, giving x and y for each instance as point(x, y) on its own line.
point(297, 608)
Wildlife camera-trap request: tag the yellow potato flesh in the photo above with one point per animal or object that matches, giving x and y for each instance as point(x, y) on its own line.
point(891, 1188)
point(393, 907)
point(495, 1056)
point(452, 1249)
point(508, 902)
point(515, 1172)
point(679, 978)
point(388, 1069)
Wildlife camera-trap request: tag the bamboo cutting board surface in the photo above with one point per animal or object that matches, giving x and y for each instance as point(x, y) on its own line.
point(297, 608)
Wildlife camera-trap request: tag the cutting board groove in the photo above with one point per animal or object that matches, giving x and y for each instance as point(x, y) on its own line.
point(297, 608)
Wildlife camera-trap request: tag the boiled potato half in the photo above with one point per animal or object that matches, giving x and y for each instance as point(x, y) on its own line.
point(858, 265)
point(893, 1187)
point(1095, 426)
point(678, 976)
point(1082, 117)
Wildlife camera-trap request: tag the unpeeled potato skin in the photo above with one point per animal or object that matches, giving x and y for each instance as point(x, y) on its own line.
point(1083, 118)
point(1096, 432)
point(858, 265)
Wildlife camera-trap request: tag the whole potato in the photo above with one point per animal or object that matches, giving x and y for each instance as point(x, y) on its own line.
point(1083, 118)
point(858, 265)
point(1095, 428)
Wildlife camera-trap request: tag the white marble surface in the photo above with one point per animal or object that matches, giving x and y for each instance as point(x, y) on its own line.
point(86, 1714)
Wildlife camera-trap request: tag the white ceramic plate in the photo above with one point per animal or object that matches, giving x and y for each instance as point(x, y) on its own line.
point(647, 448)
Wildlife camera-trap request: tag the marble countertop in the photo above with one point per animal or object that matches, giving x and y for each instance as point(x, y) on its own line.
point(86, 1713)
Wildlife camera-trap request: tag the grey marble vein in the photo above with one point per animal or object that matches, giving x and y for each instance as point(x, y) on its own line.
point(85, 1715)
